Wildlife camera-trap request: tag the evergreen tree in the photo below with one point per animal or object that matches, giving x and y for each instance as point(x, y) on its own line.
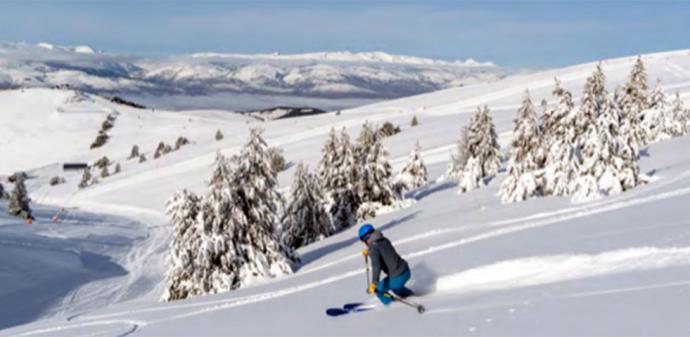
point(337, 173)
point(180, 142)
point(560, 166)
point(104, 172)
point(414, 121)
point(343, 208)
point(224, 235)
point(676, 118)
point(657, 120)
point(161, 150)
point(343, 201)
point(471, 176)
point(306, 219)
point(117, 168)
point(256, 187)
point(414, 174)
point(182, 277)
point(483, 142)
point(134, 152)
point(237, 240)
point(328, 166)
point(599, 160)
point(482, 151)
point(347, 172)
point(593, 100)
point(525, 156)
point(219, 135)
point(632, 100)
point(142, 158)
point(682, 115)
point(19, 200)
point(374, 176)
point(367, 137)
point(85, 178)
point(278, 162)
point(462, 153)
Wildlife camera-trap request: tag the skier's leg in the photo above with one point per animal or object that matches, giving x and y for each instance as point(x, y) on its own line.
point(397, 284)
point(381, 289)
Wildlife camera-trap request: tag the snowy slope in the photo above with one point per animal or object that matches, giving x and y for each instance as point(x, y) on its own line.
point(60, 125)
point(542, 267)
point(236, 81)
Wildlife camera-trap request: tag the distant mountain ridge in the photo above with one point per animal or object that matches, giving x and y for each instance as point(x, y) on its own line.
point(237, 81)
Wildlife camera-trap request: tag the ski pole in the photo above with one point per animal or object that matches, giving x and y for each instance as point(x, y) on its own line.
point(420, 308)
point(366, 271)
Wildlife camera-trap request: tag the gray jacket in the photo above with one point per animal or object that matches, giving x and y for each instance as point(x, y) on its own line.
point(384, 257)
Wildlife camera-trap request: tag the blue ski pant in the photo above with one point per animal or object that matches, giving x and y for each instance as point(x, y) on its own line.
point(395, 284)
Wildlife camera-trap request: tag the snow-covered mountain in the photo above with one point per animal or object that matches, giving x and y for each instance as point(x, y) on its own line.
point(547, 266)
point(236, 81)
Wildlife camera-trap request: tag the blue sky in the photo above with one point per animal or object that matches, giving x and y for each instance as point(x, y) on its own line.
point(532, 34)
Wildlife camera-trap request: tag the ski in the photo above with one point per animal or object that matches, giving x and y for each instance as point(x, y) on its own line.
point(420, 308)
point(346, 309)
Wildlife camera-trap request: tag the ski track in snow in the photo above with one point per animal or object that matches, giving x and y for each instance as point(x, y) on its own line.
point(129, 327)
point(539, 270)
point(529, 269)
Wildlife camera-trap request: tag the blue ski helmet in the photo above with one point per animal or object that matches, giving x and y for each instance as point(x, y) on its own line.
point(365, 230)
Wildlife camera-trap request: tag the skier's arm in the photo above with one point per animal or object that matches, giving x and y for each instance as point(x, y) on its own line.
point(375, 258)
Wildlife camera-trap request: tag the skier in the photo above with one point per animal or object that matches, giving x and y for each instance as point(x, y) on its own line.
point(384, 257)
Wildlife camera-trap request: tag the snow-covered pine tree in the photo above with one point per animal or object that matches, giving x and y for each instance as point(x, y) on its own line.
point(657, 121)
point(676, 118)
point(414, 174)
point(337, 172)
point(483, 142)
point(234, 249)
point(85, 178)
point(374, 176)
point(347, 172)
point(328, 166)
point(343, 208)
point(219, 135)
point(19, 199)
point(104, 172)
point(306, 219)
point(525, 156)
point(222, 231)
point(682, 115)
point(632, 101)
point(560, 166)
point(278, 162)
point(142, 158)
point(342, 200)
point(366, 138)
point(598, 158)
point(414, 121)
point(117, 168)
point(182, 273)
point(462, 153)
point(471, 176)
point(134, 152)
point(593, 100)
point(657, 98)
point(256, 186)
point(628, 173)
point(637, 86)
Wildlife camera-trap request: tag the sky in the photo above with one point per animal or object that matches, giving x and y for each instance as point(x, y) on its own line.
point(518, 34)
